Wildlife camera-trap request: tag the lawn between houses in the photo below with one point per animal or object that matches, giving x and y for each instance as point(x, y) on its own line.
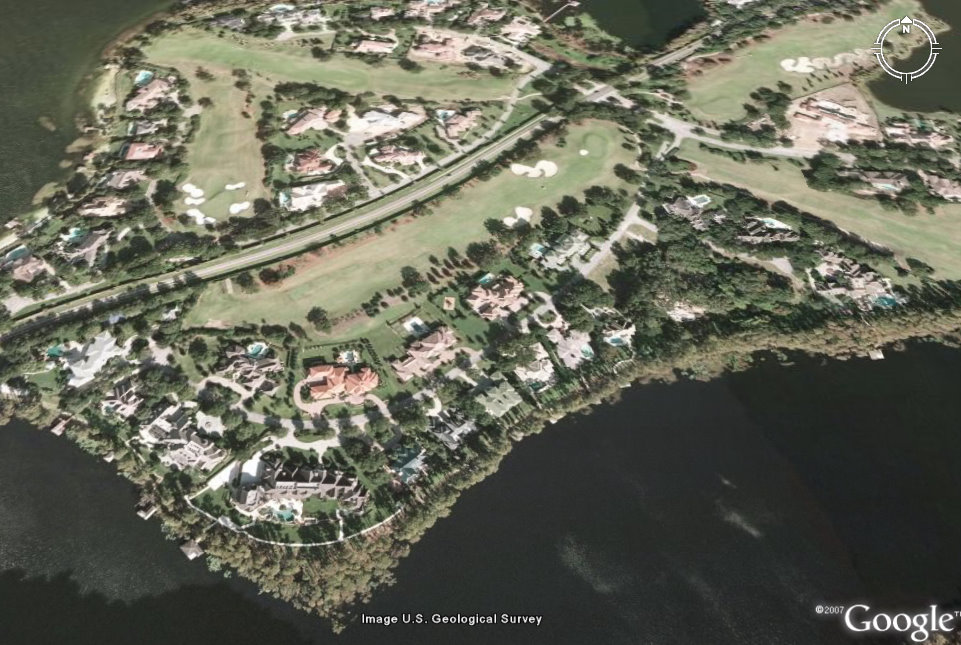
point(288, 61)
point(720, 92)
point(336, 281)
point(225, 149)
point(934, 239)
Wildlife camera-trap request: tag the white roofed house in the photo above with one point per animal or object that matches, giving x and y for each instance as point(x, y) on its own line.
point(565, 249)
point(86, 362)
point(111, 206)
point(181, 446)
point(371, 46)
point(426, 355)
point(302, 198)
point(520, 30)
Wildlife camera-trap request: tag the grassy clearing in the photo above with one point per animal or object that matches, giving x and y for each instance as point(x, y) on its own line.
point(934, 239)
point(720, 93)
point(225, 149)
point(287, 61)
point(343, 278)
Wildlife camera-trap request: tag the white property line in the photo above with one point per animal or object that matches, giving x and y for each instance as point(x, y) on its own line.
point(296, 545)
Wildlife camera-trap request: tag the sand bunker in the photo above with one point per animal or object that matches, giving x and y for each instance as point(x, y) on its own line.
point(199, 217)
point(521, 213)
point(192, 190)
point(541, 169)
point(236, 186)
point(236, 209)
point(805, 65)
point(584, 153)
point(190, 201)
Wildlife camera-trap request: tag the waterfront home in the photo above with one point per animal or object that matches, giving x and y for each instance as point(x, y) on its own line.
point(152, 94)
point(903, 132)
point(499, 398)
point(340, 383)
point(281, 489)
point(539, 373)
point(451, 426)
point(572, 346)
point(426, 355)
point(180, 444)
point(85, 362)
point(143, 151)
point(520, 30)
point(617, 329)
point(409, 464)
point(302, 198)
point(486, 15)
point(498, 299)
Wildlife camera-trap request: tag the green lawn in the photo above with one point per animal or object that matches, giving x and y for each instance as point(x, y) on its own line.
point(345, 277)
point(934, 239)
point(225, 149)
point(289, 61)
point(720, 93)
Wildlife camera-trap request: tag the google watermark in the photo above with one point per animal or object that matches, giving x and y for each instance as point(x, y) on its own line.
point(918, 626)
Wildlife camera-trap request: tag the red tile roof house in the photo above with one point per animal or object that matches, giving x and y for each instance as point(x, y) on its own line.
point(337, 382)
point(143, 151)
point(310, 162)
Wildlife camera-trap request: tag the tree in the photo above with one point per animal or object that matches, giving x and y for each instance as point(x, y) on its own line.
point(319, 318)
point(198, 348)
point(483, 254)
point(412, 280)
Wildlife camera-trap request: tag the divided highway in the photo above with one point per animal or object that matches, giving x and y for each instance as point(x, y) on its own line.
point(105, 295)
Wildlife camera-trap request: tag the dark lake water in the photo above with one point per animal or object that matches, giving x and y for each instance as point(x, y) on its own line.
point(642, 23)
point(719, 512)
point(714, 513)
point(940, 88)
point(46, 46)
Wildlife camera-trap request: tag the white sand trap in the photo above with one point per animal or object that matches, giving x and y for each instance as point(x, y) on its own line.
point(584, 152)
point(192, 190)
point(541, 169)
point(805, 65)
point(236, 209)
point(523, 212)
point(190, 201)
point(199, 217)
point(236, 186)
point(509, 222)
